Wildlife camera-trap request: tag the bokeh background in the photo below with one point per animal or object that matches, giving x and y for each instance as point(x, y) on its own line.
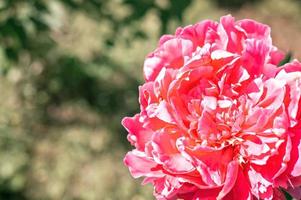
point(69, 71)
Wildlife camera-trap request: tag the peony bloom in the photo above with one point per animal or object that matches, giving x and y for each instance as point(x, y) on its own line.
point(218, 118)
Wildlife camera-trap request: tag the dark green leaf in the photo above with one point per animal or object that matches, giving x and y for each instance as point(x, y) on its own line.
point(287, 59)
point(287, 195)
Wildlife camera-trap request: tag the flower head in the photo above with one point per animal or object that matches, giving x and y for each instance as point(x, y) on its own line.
point(218, 119)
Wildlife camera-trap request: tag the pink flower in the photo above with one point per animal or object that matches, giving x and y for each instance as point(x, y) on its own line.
point(218, 119)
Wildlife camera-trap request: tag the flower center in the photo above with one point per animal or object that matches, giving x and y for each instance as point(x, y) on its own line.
point(218, 122)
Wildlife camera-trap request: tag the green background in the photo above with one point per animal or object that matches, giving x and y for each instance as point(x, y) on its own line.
point(69, 73)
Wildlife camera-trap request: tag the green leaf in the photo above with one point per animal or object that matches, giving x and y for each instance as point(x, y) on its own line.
point(286, 59)
point(287, 195)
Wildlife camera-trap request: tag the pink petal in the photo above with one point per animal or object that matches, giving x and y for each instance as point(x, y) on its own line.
point(241, 190)
point(138, 135)
point(140, 165)
point(232, 172)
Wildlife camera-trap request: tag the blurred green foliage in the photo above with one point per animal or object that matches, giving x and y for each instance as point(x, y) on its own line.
point(69, 72)
point(50, 76)
point(233, 4)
